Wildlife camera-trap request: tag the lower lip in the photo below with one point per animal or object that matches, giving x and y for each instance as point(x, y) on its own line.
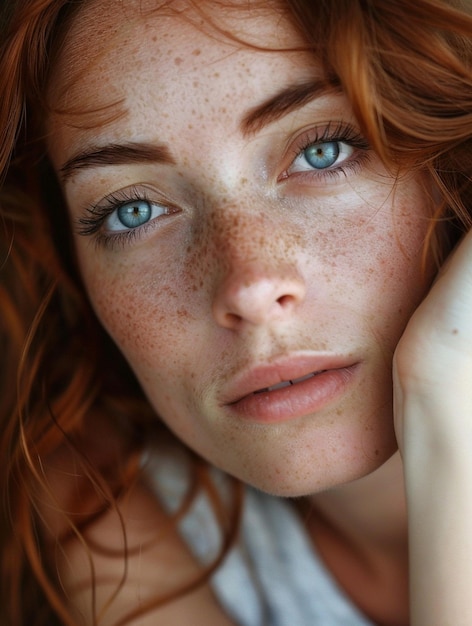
point(294, 401)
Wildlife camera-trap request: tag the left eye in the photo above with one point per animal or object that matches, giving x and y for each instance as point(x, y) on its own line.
point(133, 214)
point(321, 156)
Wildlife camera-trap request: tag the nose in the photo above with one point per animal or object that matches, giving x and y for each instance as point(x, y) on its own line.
point(256, 294)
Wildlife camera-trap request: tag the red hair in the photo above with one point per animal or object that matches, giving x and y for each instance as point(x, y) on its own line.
point(407, 70)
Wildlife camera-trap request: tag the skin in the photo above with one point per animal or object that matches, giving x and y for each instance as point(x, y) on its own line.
point(343, 252)
point(433, 402)
point(256, 261)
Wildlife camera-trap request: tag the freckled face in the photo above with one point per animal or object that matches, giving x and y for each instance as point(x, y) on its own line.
point(229, 247)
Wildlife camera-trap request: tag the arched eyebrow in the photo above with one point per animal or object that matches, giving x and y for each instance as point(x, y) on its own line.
point(116, 154)
point(285, 101)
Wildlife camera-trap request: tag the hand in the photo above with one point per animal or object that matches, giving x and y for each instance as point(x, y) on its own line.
point(433, 360)
point(433, 420)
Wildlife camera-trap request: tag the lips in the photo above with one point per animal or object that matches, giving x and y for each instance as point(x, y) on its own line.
point(288, 383)
point(289, 388)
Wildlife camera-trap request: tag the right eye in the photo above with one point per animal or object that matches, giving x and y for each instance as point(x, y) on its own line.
point(132, 214)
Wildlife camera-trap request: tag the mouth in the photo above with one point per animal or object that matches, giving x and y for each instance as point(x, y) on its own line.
point(295, 397)
point(288, 383)
point(290, 388)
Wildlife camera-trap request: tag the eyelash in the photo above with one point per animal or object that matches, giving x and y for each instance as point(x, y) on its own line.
point(341, 133)
point(96, 215)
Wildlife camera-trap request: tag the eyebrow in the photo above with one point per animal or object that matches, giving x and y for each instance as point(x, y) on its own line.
point(116, 154)
point(286, 101)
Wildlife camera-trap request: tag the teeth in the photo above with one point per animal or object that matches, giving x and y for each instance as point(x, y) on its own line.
point(284, 383)
point(287, 383)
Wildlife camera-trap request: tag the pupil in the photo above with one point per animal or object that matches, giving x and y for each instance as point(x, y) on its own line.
point(134, 214)
point(322, 155)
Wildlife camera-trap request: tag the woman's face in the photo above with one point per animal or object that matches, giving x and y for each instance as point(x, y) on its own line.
point(235, 232)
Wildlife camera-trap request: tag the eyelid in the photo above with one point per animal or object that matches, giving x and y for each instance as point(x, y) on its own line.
point(113, 223)
point(330, 132)
point(344, 155)
point(93, 217)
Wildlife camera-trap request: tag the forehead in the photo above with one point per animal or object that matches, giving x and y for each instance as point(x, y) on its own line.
point(137, 31)
point(126, 60)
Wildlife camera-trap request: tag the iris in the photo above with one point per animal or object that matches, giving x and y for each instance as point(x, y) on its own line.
point(322, 155)
point(134, 214)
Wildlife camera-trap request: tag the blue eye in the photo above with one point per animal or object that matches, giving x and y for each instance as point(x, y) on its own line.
point(133, 214)
point(322, 155)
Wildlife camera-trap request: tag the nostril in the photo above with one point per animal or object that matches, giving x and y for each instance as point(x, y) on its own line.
point(256, 297)
point(285, 300)
point(232, 319)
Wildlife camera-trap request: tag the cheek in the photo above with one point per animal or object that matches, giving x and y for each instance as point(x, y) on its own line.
point(388, 268)
point(370, 259)
point(146, 311)
point(362, 270)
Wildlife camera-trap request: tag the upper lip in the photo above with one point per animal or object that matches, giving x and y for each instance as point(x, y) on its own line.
point(262, 376)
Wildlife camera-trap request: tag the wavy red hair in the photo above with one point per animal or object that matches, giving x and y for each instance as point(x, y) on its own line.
point(407, 70)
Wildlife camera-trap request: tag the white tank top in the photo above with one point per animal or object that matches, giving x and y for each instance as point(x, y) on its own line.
point(273, 575)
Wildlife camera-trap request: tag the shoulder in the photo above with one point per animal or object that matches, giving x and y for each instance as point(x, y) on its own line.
point(136, 559)
point(117, 552)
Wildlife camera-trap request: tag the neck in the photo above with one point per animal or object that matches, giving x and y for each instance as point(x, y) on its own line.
point(371, 510)
point(360, 531)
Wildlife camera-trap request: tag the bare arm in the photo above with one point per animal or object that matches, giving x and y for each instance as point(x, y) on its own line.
point(433, 407)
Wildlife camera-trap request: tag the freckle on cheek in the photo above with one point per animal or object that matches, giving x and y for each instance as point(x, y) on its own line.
point(231, 234)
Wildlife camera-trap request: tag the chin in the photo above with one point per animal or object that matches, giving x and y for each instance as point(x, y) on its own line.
point(307, 478)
